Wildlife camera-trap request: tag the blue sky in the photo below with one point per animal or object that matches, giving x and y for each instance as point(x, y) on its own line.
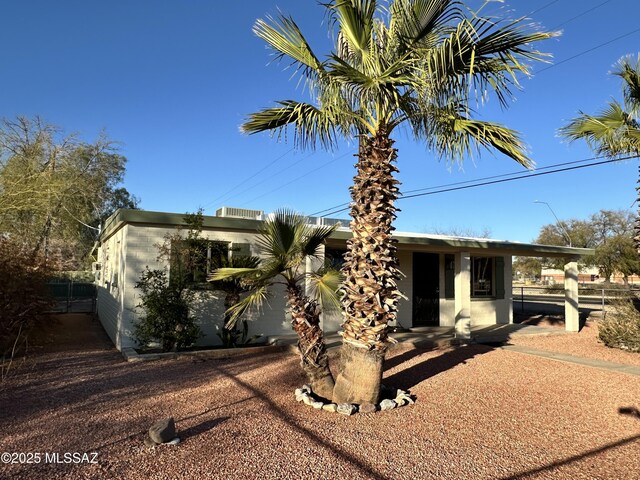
point(173, 80)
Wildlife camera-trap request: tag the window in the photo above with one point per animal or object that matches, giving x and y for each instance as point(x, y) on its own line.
point(193, 259)
point(487, 277)
point(482, 277)
point(334, 258)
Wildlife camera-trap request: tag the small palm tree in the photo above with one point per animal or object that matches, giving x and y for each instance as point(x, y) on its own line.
point(404, 62)
point(233, 289)
point(614, 132)
point(285, 243)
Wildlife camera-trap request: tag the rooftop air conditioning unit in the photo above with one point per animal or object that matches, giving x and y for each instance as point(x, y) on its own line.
point(232, 212)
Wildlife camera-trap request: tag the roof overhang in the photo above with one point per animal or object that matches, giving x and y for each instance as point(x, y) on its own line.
point(406, 240)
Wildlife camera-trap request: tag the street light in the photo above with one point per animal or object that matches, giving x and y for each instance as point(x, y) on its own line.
point(564, 230)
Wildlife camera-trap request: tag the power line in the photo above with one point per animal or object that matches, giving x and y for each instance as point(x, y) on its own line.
point(589, 50)
point(543, 7)
point(219, 197)
point(492, 180)
point(297, 178)
point(265, 179)
point(580, 15)
point(475, 180)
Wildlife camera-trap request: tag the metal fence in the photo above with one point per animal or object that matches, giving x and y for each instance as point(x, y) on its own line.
point(73, 297)
point(593, 298)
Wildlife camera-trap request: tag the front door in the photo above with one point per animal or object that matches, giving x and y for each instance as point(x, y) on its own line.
point(426, 289)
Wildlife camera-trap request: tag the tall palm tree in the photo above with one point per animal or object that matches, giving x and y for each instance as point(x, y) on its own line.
point(285, 243)
point(404, 62)
point(615, 131)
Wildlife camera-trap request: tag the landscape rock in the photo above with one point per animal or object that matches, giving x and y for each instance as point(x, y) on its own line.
point(346, 408)
point(387, 404)
point(317, 405)
point(367, 408)
point(163, 431)
point(330, 407)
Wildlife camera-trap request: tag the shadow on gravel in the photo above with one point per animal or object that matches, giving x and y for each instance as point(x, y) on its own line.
point(412, 376)
point(201, 428)
point(535, 473)
point(365, 469)
point(630, 411)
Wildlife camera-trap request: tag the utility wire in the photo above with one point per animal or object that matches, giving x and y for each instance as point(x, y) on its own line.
point(492, 182)
point(475, 180)
point(297, 178)
point(266, 179)
point(589, 50)
point(220, 197)
point(580, 15)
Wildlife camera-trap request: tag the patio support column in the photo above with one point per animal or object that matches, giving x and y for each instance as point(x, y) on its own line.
point(463, 296)
point(571, 313)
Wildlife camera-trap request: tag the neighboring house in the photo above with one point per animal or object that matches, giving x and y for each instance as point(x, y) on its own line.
point(551, 276)
point(449, 281)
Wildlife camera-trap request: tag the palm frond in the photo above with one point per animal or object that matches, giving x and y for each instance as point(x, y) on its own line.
point(454, 135)
point(628, 69)
point(324, 288)
point(228, 273)
point(355, 19)
point(316, 236)
point(312, 125)
point(255, 299)
point(284, 36)
point(613, 132)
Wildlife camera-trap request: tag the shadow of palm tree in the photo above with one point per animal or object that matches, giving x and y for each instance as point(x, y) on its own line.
point(201, 427)
point(368, 470)
point(412, 376)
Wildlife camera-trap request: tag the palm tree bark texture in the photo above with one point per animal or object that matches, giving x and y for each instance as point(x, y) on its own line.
point(305, 320)
point(370, 290)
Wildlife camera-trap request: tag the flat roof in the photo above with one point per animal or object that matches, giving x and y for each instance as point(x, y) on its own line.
point(421, 241)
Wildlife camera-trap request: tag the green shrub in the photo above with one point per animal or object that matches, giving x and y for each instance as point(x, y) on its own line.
point(166, 318)
point(621, 329)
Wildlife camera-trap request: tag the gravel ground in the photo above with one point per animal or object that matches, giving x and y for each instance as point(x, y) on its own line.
point(481, 413)
point(583, 344)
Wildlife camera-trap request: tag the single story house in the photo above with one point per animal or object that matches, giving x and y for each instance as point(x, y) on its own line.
point(449, 281)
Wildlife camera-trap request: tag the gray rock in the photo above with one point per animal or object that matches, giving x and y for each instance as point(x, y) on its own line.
point(367, 408)
point(308, 399)
point(387, 404)
point(330, 407)
point(175, 441)
point(307, 388)
point(163, 431)
point(317, 405)
point(404, 399)
point(346, 408)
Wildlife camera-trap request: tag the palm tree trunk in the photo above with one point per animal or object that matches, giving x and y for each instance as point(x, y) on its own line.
point(305, 319)
point(371, 270)
point(636, 228)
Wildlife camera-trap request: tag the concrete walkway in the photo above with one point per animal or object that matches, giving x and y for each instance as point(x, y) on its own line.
point(587, 362)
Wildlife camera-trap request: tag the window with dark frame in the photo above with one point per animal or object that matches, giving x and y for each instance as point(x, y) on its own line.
point(194, 259)
point(483, 277)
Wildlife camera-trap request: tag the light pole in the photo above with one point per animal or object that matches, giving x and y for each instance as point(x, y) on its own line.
point(564, 230)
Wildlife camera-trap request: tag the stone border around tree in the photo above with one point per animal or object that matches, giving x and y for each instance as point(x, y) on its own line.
point(391, 398)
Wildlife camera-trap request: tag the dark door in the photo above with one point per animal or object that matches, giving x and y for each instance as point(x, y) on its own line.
point(426, 289)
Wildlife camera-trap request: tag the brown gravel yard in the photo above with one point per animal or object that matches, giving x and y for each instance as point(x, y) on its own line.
point(481, 413)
